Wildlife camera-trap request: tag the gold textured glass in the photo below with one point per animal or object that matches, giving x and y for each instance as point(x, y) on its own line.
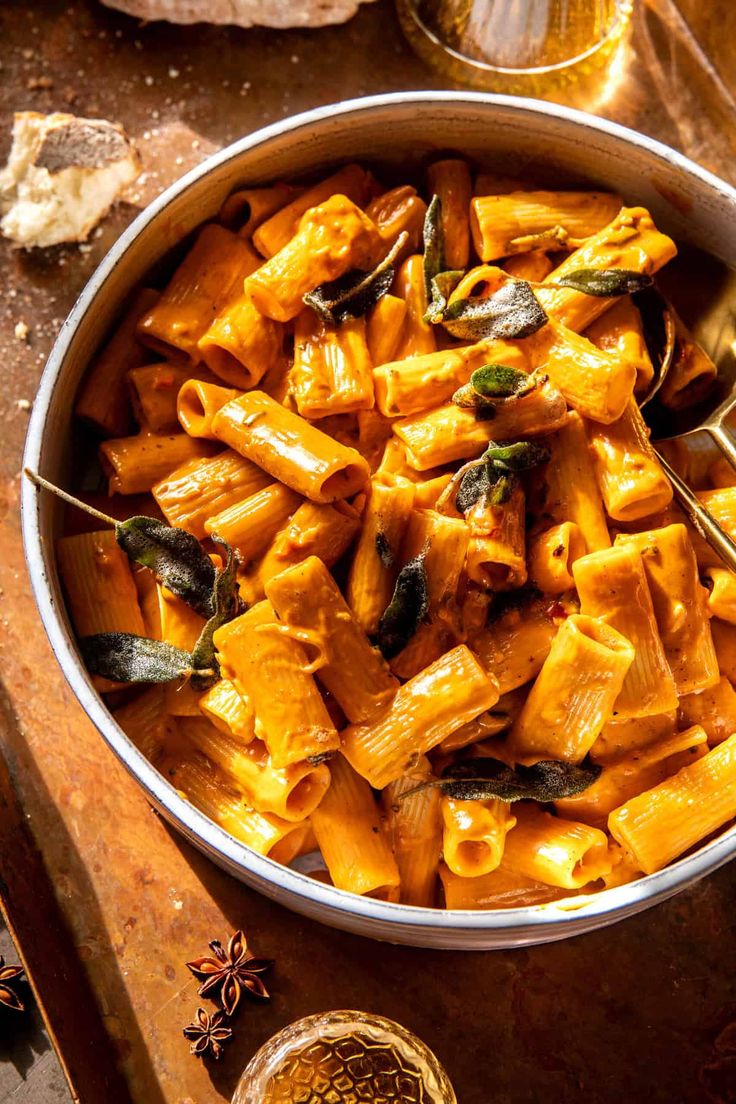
point(543, 48)
point(344, 1058)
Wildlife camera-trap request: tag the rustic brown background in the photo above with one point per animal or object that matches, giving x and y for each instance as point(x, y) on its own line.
point(645, 1011)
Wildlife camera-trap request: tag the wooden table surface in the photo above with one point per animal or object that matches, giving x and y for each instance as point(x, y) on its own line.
point(643, 1011)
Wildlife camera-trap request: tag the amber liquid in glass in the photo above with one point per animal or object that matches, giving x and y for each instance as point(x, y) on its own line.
point(526, 47)
point(351, 1069)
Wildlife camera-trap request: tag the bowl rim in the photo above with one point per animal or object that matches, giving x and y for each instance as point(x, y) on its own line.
point(608, 905)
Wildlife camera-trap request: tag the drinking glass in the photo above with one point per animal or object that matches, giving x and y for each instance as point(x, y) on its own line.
point(344, 1057)
point(555, 49)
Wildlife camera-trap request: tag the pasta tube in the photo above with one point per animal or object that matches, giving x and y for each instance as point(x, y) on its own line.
point(384, 326)
point(724, 639)
point(98, 583)
point(620, 331)
point(103, 401)
point(502, 888)
point(631, 240)
point(474, 835)
point(622, 780)
point(450, 433)
point(522, 221)
point(496, 551)
point(144, 722)
point(210, 276)
point(451, 691)
point(307, 600)
point(201, 489)
point(714, 708)
point(153, 390)
point(528, 266)
point(208, 789)
point(619, 739)
point(324, 531)
point(332, 238)
point(631, 479)
point(443, 544)
point(136, 464)
point(197, 403)
point(612, 586)
point(292, 793)
point(375, 561)
point(290, 449)
point(572, 492)
point(271, 669)
point(680, 604)
point(557, 852)
point(332, 371)
point(658, 825)
point(349, 835)
point(551, 556)
point(247, 208)
point(574, 693)
point(228, 710)
point(721, 584)
point(396, 212)
point(417, 336)
point(414, 826)
point(273, 234)
point(449, 179)
point(418, 382)
point(250, 526)
point(515, 645)
point(241, 344)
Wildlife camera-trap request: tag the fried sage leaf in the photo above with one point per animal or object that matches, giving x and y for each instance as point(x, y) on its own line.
point(493, 477)
point(124, 657)
point(434, 244)
point(353, 295)
point(491, 384)
point(440, 289)
point(512, 311)
point(483, 779)
point(227, 605)
point(406, 610)
point(604, 282)
point(384, 550)
point(175, 556)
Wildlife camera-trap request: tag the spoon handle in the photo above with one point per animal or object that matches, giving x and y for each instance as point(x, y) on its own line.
point(724, 440)
point(702, 520)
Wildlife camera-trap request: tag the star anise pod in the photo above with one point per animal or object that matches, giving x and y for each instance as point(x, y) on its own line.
point(8, 996)
point(229, 973)
point(208, 1033)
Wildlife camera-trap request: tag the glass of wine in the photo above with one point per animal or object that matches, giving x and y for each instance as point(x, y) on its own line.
point(554, 49)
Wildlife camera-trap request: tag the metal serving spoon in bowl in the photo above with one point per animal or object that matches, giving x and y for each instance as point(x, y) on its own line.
point(710, 416)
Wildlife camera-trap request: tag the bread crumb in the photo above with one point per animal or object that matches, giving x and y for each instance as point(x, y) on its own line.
point(23, 404)
point(21, 331)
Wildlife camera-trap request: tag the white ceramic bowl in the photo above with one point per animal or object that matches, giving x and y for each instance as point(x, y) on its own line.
point(397, 130)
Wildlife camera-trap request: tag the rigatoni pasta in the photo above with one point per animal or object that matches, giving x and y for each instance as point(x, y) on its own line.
point(423, 603)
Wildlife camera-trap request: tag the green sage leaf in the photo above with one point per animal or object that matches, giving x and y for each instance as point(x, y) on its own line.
point(353, 295)
point(175, 556)
point(604, 282)
point(440, 289)
point(498, 381)
point(493, 477)
point(516, 456)
point(512, 311)
point(493, 384)
point(124, 657)
point(434, 244)
point(483, 779)
point(406, 610)
point(227, 605)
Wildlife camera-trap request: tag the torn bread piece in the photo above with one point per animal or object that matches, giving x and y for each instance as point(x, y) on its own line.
point(63, 174)
point(243, 13)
